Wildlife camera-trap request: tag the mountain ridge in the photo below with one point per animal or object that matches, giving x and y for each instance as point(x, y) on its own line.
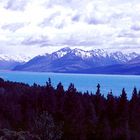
point(78, 61)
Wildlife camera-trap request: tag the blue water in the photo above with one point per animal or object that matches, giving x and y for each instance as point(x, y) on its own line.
point(83, 82)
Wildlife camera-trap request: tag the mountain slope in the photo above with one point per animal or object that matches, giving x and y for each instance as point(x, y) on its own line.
point(135, 60)
point(8, 65)
point(114, 69)
point(131, 67)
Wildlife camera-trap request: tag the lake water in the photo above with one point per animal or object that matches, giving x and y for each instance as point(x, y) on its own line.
point(83, 82)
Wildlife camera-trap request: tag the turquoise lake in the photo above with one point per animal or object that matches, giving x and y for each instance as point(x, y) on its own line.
point(82, 82)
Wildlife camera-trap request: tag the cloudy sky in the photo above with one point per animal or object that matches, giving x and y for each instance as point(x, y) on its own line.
point(30, 27)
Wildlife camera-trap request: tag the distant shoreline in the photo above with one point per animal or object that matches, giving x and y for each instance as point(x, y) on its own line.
point(72, 73)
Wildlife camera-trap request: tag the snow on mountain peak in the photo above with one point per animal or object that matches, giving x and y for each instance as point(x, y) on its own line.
point(16, 58)
point(91, 54)
point(118, 55)
point(99, 53)
point(132, 55)
point(81, 53)
point(60, 53)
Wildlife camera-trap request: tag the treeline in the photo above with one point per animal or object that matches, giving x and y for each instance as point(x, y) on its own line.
point(47, 113)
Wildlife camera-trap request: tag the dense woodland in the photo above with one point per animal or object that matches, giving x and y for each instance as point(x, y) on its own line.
point(47, 113)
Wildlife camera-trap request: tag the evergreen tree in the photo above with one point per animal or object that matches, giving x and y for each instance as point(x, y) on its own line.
point(45, 127)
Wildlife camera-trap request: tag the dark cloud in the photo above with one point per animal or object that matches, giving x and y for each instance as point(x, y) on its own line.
point(76, 18)
point(13, 27)
point(95, 21)
point(17, 5)
point(126, 35)
point(49, 21)
point(135, 27)
point(40, 40)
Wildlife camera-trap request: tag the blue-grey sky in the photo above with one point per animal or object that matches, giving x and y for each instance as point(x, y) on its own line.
point(32, 27)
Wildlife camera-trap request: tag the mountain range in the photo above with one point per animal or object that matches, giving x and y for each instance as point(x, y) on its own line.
point(68, 60)
point(9, 62)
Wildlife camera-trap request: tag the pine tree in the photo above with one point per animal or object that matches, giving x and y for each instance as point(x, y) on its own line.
point(45, 127)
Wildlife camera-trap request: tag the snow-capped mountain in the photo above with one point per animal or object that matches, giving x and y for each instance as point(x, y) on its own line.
point(96, 53)
point(9, 62)
point(16, 58)
point(62, 52)
point(76, 60)
point(100, 53)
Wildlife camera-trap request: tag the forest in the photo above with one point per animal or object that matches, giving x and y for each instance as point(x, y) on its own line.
point(35, 112)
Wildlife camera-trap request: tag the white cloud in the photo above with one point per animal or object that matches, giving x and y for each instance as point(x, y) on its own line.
point(33, 26)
